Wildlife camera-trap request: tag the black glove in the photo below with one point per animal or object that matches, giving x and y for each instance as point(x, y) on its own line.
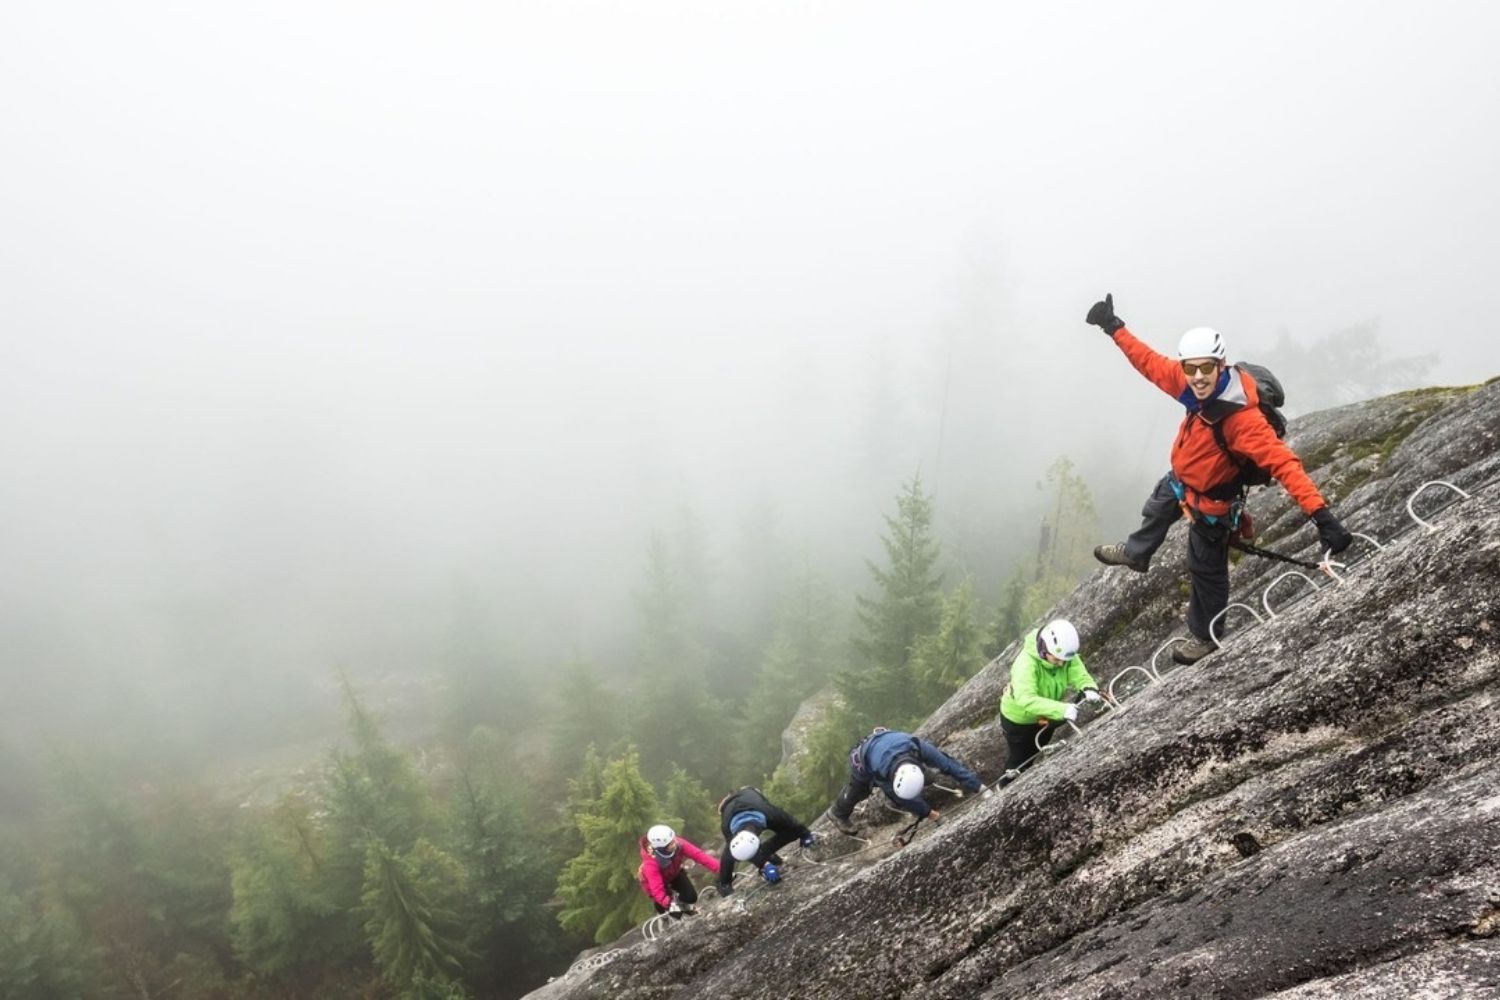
point(1102, 315)
point(1332, 534)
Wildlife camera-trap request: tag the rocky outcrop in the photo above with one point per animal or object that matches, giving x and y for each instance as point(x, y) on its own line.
point(794, 739)
point(1312, 811)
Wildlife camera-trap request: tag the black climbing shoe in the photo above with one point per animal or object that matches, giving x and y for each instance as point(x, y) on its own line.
point(1114, 555)
point(1193, 650)
point(845, 826)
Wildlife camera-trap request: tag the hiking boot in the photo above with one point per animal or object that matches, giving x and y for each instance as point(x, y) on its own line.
point(844, 826)
point(1193, 650)
point(1114, 555)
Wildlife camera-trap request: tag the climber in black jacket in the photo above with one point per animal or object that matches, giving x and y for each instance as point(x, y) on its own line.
point(744, 817)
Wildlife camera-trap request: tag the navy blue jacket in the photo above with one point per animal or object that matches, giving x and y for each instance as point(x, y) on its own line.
point(875, 759)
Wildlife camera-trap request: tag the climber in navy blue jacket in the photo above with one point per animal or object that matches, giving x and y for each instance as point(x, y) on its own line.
point(894, 760)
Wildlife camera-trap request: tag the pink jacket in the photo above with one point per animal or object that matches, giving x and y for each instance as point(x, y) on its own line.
point(655, 878)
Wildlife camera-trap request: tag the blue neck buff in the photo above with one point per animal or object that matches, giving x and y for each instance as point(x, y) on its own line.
point(1193, 404)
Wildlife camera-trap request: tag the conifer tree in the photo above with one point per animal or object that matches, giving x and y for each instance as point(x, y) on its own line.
point(585, 789)
point(509, 868)
point(907, 607)
point(1010, 619)
point(44, 951)
point(283, 916)
point(795, 665)
point(411, 917)
point(948, 657)
point(601, 896)
point(670, 718)
point(1064, 541)
point(373, 794)
point(587, 715)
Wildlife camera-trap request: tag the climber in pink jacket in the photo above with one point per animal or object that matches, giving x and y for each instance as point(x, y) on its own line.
point(663, 855)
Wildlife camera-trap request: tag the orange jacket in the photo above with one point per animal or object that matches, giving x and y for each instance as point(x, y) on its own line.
point(1197, 460)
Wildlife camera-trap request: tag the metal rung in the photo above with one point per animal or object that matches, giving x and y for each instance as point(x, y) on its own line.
point(1431, 482)
point(1328, 565)
point(1228, 608)
point(1150, 679)
point(1162, 648)
point(1265, 598)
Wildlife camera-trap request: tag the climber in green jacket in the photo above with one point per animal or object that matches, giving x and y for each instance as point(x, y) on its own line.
point(1045, 668)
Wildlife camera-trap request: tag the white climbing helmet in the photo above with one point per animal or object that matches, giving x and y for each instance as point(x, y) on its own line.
point(907, 782)
point(1060, 638)
point(744, 846)
point(660, 836)
point(1201, 342)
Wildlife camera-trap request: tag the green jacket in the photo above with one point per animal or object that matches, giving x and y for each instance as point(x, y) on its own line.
point(1036, 687)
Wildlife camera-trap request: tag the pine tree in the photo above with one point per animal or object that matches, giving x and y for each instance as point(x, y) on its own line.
point(1010, 619)
point(690, 808)
point(585, 790)
point(1064, 541)
point(951, 655)
point(795, 665)
point(907, 607)
point(44, 950)
point(410, 907)
point(373, 794)
point(509, 868)
point(671, 716)
point(283, 917)
point(601, 896)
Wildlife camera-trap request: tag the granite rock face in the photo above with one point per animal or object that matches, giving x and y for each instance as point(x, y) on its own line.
point(1313, 811)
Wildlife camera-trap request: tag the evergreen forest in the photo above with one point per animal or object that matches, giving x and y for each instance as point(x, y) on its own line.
point(472, 853)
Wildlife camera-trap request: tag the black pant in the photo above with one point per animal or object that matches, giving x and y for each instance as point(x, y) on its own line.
point(683, 887)
point(1159, 513)
point(1208, 554)
point(852, 794)
point(1021, 741)
point(1208, 568)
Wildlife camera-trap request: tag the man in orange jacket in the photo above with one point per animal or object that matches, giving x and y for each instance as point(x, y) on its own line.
point(1205, 480)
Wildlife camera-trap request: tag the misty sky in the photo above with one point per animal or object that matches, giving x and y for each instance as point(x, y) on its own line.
point(308, 309)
